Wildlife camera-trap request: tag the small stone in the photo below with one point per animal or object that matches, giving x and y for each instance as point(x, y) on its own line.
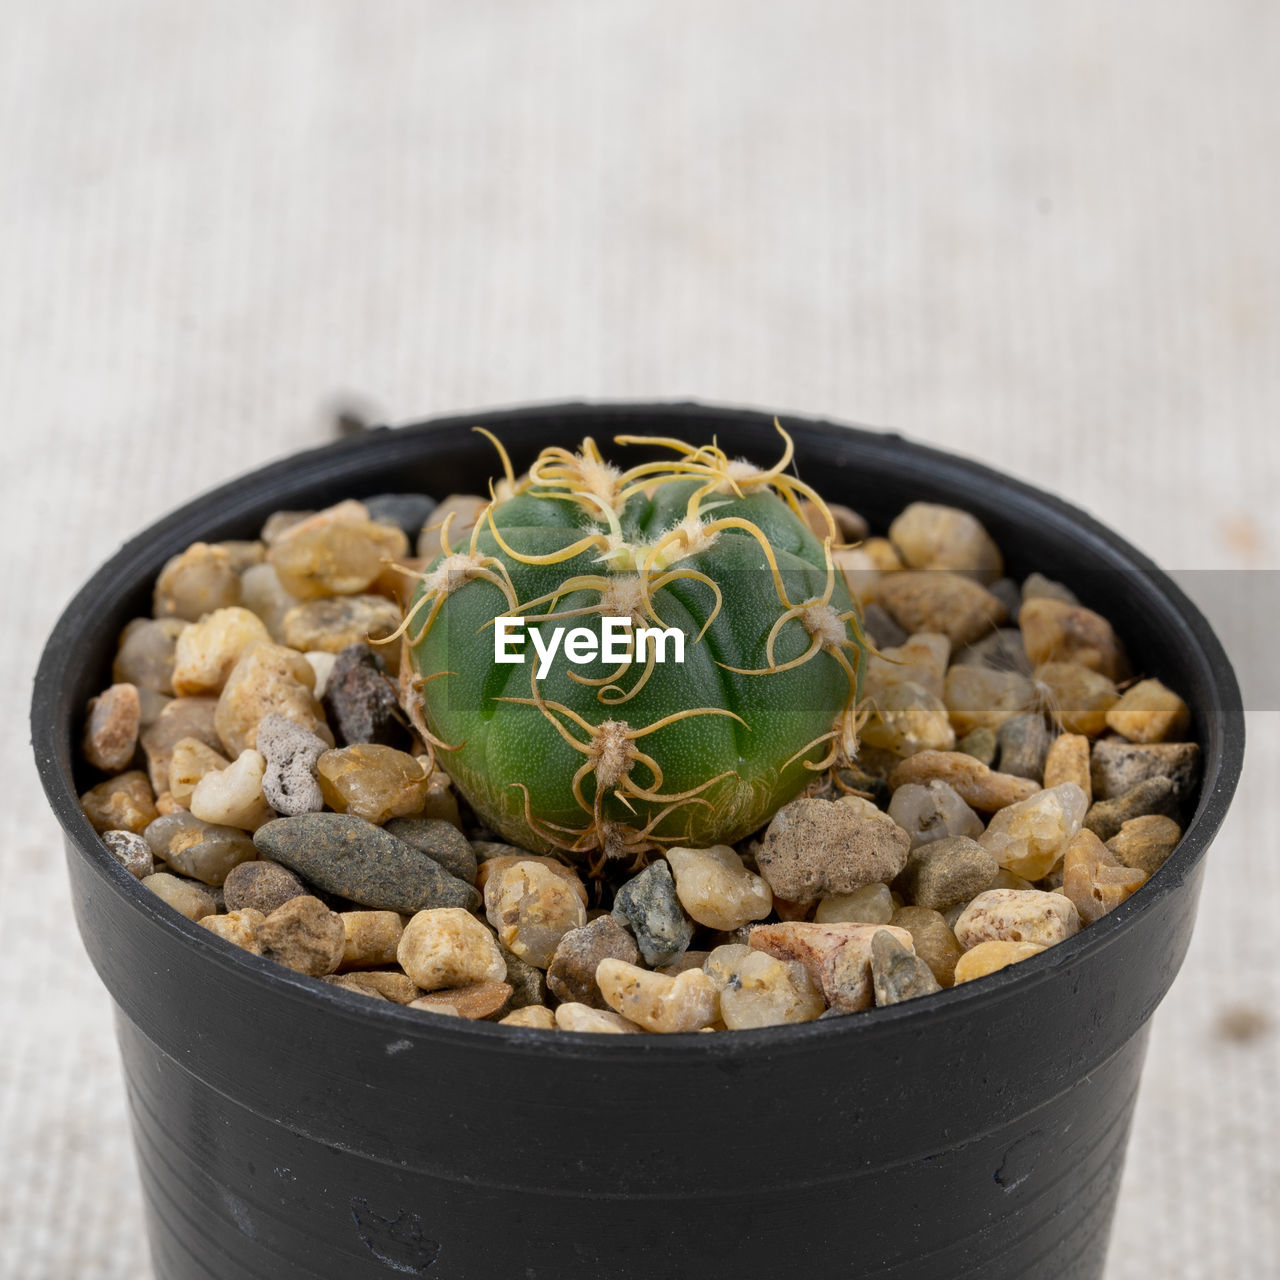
point(881, 629)
point(1006, 591)
point(268, 678)
point(1013, 915)
point(1118, 767)
point(280, 522)
point(1154, 795)
point(437, 1010)
point(209, 649)
point(474, 1001)
point(1024, 743)
point(532, 1015)
point(260, 885)
point(1029, 837)
point(1077, 698)
point(390, 984)
point(346, 855)
point(1036, 585)
point(837, 956)
point(1145, 843)
point(1095, 879)
point(339, 622)
point(198, 581)
point(407, 511)
point(532, 908)
point(111, 728)
point(934, 941)
point(980, 787)
point(581, 1017)
point(145, 656)
point(1068, 761)
point(987, 957)
point(763, 991)
point(1005, 879)
point(439, 840)
point(816, 847)
point(944, 872)
point(181, 718)
point(123, 803)
point(289, 783)
point(656, 1002)
point(499, 864)
point(372, 781)
point(338, 551)
point(920, 660)
point(897, 973)
point(361, 701)
point(186, 897)
point(204, 851)
point(371, 938)
point(528, 984)
point(151, 706)
point(980, 744)
point(243, 553)
point(872, 904)
point(343, 980)
point(716, 889)
point(1148, 712)
point(932, 811)
point(166, 804)
point(649, 906)
point(233, 796)
point(189, 761)
point(449, 947)
point(322, 664)
point(262, 592)
point(979, 698)
point(571, 975)
point(862, 571)
point(929, 536)
point(1000, 650)
point(240, 928)
point(928, 600)
point(1053, 631)
point(303, 935)
point(906, 718)
point(465, 509)
point(131, 851)
point(722, 963)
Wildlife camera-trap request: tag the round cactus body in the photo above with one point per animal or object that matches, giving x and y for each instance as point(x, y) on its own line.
point(601, 757)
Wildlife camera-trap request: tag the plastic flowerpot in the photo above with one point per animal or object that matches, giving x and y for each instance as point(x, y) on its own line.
point(287, 1129)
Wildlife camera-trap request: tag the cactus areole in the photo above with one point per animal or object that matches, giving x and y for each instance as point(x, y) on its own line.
point(604, 758)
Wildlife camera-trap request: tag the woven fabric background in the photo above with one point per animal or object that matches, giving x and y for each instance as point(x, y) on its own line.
point(1040, 234)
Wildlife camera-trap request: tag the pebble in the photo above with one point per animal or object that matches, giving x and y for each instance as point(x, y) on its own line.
point(465, 509)
point(499, 863)
point(439, 840)
point(233, 796)
point(241, 928)
point(151, 706)
point(581, 1017)
point(880, 628)
point(649, 906)
point(449, 947)
point(980, 744)
point(987, 957)
point(721, 963)
point(1148, 712)
point(817, 847)
point(186, 897)
point(181, 718)
point(407, 511)
point(716, 889)
point(1000, 650)
point(335, 623)
point(1068, 761)
point(1077, 698)
point(1017, 915)
point(131, 851)
point(346, 855)
point(907, 718)
point(260, 885)
point(897, 973)
point(195, 582)
point(926, 600)
point(1145, 843)
point(1028, 838)
point(1095, 879)
point(976, 784)
point(920, 660)
point(390, 984)
point(862, 571)
point(338, 551)
point(1153, 795)
point(571, 974)
point(837, 956)
point(655, 1001)
point(289, 783)
point(872, 904)
point(979, 698)
point(932, 811)
point(532, 1015)
point(927, 535)
point(111, 727)
point(123, 803)
point(1118, 766)
point(474, 1001)
point(303, 935)
point(947, 871)
point(763, 991)
point(532, 908)
point(371, 938)
point(1006, 591)
point(145, 655)
point(189, 761)
point(1024, 743)
point(322, 665)
point(204, 851)
point(343, 980)
point(268, 678)
point(528, 984)
point(209, 649)
point(262, 592)
point(1053, 631)
point(372, 781)
point(1037, 585)
point(361, 702)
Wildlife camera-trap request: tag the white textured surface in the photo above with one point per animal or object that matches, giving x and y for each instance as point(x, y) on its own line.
point(1042, 234)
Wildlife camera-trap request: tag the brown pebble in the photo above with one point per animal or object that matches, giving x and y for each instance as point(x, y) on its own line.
point(1075, 696)
point(1094, 878)
point(479, 1000)
point(1148, 712)
point(532, 1015)
point(395, 986)
point(935, 943)
point(929, 600)
point(1054, 631)
point(111, 728)
point(240, 928)
point(305, 936)
point(371, 938)
point(1144, 843)
point(122, 803)
point(1068, 761)
point(262, 885)
point(571, 975)
point(987, 957)
point(977, 785)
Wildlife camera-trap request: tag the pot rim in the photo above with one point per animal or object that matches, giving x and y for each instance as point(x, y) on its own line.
point(52, 743)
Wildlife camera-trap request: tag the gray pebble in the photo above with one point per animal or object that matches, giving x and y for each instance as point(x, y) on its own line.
point(1006, 591)
point(648, 906)
point(980, 744)
point(1024, 742)
point(881, 629)
point(440, 840)
point(943, 872)
point(262, 885)
point(131, 851)
point(896, 973)
point(407, 511)
point(289, 783)
point(1117, 766)
point(205, 851)
point(1153, 795)
point(571, 975)
point(360, 703)
point(527, 983)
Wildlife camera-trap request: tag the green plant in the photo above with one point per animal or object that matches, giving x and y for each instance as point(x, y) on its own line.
point(607, 758)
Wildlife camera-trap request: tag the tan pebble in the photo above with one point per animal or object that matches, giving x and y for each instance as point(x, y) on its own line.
point(498, 864)
point(861, 572)
point(268, 678)
point(920, 659)
point(189, 761)
point(1075, 696)
point(123, 803)
point(929, 600)
point(982, 788)
point(233, 796)
point(716, 889)
point(144, 657)
point(343, 980)
point(372, 781)
point(1148, 712)
point(930, 536)
point(371, 938)
point(440, 1010)
point(1095, 879)
point(475, 1001)
point(338, 551)
point(1144, 843)
point(722, 963)
point(907, 718)
point(207, 650)
point(131, 851)
point(582, 1017)
point(935, 943)
point(391, 984)
point(185, 896)
point(111, 728)
point(262, 592)
point(1027, 838)
point(987, 957)
point(240, 928)
point(656, 1002)
point(204, 851)
point(182, 718)
point(532, 1015)
point(280, 522)
point(980, 698)
point(872, 904)
point(1017, 915)
point(198, 581)
point(532, 908)
point(767, 992)
point(331, 624)
point(1053, 631)
point(1068, 761)
point(303, 935)
point(449, 947)
point(244, 553)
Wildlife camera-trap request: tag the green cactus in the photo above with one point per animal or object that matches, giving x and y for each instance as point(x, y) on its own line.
point(610, 759)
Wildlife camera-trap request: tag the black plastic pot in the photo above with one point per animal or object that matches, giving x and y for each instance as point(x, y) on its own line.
point(288, 1129)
